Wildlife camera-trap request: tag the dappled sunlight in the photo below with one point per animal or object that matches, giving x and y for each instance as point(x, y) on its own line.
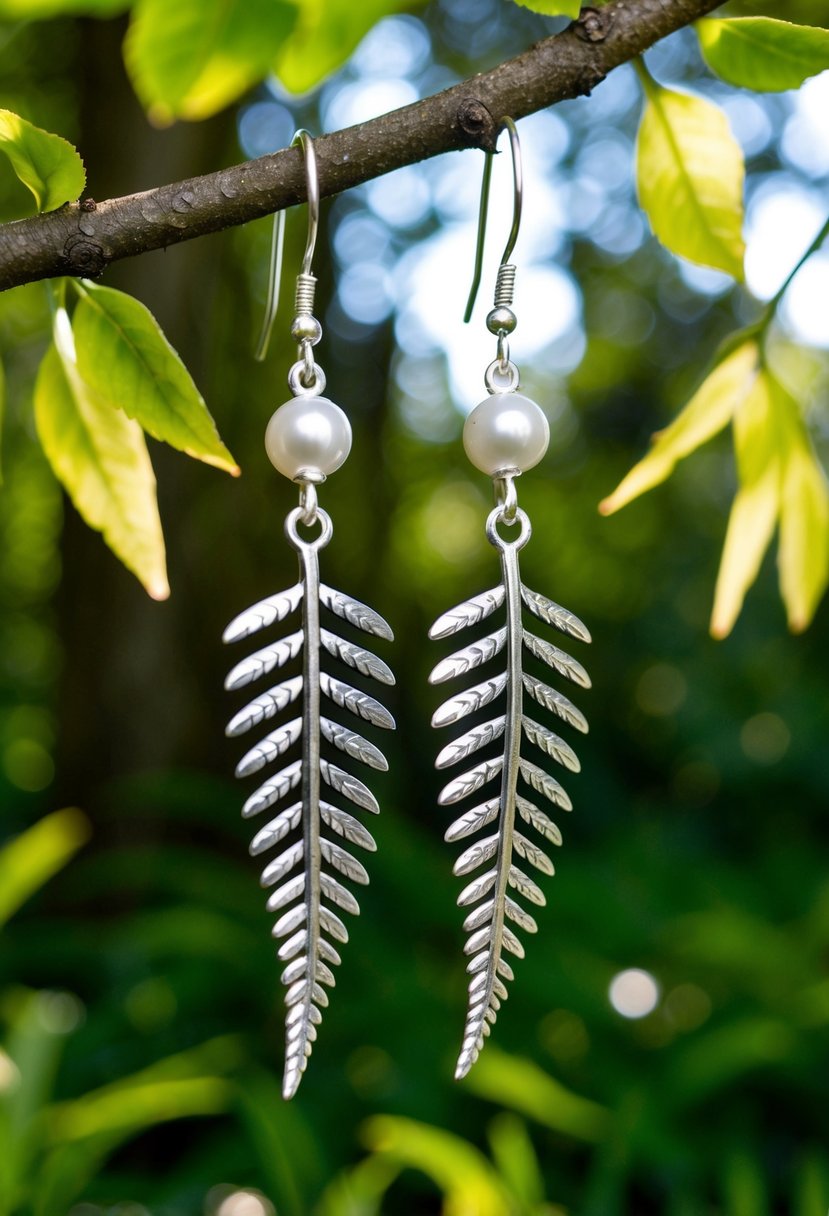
point(634, 993)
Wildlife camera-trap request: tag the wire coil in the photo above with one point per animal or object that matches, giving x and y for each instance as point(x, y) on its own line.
point(306, 287)
point(505, 286)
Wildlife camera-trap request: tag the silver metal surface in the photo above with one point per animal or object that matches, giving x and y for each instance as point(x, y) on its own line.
point(506, 494)
point(483, 209)
point(502, 352)
point(308, 503)
point(301, 874)
point(305, 284)
point(488, 894)
point(502, 378)
point(274, 282)
point(304, 382)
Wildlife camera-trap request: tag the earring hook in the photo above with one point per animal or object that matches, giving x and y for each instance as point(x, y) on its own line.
point(483, 210)
point(312, 187)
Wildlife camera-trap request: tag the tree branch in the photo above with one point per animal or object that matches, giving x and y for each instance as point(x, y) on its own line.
point(83, 238)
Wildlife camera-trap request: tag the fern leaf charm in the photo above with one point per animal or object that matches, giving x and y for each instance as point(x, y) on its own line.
point(305, 875)
point(505, 435)
point(307, 439)
point(500, 853)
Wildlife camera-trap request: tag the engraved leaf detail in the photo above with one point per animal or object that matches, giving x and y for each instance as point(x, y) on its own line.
point(467, 613)
point(266, 612)
point(311, 835)
point(555, 615)
point(495, 853)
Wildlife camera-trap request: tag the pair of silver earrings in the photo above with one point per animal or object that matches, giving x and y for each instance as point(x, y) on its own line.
point(307, 439)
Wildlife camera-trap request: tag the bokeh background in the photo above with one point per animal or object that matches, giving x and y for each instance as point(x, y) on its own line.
point(666, 1047)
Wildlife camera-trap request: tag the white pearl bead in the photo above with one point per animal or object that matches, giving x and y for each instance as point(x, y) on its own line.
point(308, 436)
point(506, 431)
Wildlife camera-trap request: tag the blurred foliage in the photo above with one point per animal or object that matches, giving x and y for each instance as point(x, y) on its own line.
point(139, 995)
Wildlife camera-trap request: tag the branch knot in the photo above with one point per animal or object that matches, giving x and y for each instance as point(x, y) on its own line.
point(594, 24)
point(84, 257)
point(477, 124)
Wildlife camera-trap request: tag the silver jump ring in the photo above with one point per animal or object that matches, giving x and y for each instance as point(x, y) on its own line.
point(295, 517)
point(297, 377)
point(307, 355)
point(308, 503)
point(503, 351)
point(506, 496)
point(496, 516)
point(501, 379)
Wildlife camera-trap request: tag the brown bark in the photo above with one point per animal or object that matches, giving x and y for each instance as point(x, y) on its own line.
point(83, 238)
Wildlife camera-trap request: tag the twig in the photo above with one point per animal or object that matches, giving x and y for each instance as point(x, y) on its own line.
point(83, 238)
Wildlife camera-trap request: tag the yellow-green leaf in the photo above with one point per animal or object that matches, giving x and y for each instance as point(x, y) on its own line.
point(128, 1107)
point(689, 170)
point(31, 859)
point(465, 1177)
point(757, 445)
point(39, 10)
point(2, 408)
point(708, 411)
point(553, 8)
point(803, 553)
point(326, 33)
point(762, 53)
point(127, 362)
point(516, 1160)
point(805, 12)
point(750, 528)
point(191, 58)
point(46, 163)
point(100, 457)
point(520, 1085)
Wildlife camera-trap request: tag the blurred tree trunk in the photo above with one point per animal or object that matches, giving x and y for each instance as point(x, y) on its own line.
point(127, 687)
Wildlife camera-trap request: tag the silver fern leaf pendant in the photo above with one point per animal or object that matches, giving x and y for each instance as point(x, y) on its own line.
point(306, 873)
point(493, 894)
point(307, 439)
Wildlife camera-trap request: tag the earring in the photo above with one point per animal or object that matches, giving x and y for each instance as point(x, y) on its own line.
point(504, 436)
point(307, 439)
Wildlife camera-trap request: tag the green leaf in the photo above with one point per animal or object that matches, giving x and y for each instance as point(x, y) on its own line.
point(690, 178)
point(39, 10)
point(46, 163)
point(31, 859)
point(80, 1134)
point(359, 1191)
point(709, 410)
point(761, 53)
point(191, 58)
point(516, 1159)
point(70, 1167)
point(2, 408)
point(326, 33)
point(126, 361)
point(100, 457)
point(805, 12)
point(744, 1185)
point(780, 478)
point(811, 1183)
point(709, 1064)
point(290, 1156)
point(39, 1023)
point(553, 8)
point(465, 1177)
point(522, 1086)
point(803, 553)
point(124, 1109)
point(757, 445)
